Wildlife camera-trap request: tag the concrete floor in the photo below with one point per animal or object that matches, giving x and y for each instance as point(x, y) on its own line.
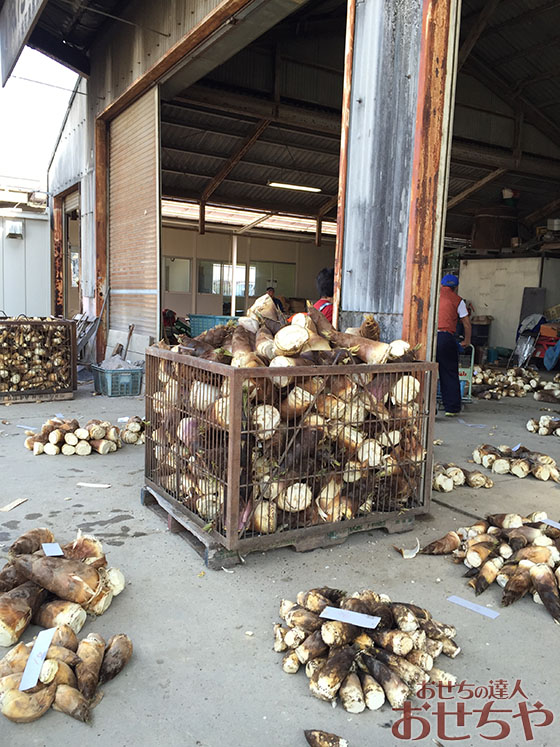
point(196, 677)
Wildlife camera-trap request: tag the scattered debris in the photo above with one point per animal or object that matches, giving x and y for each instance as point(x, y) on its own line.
point(93, 484)
point(408, 554)
point(438, 441)
point(14, 504)
point(520, 553)
point(317, 738)
point(363, 665)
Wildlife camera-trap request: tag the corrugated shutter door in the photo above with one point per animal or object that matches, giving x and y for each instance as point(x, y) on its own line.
point(72, 202)
point(134, 217)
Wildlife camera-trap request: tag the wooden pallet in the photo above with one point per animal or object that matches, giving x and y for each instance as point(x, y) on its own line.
point(215, 555)
point(15, 398)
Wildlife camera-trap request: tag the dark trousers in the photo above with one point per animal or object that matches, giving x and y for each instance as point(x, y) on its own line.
point(447, 356)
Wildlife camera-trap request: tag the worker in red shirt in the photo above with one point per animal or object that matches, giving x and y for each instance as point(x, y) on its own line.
point(325, 286)
point(451, 309)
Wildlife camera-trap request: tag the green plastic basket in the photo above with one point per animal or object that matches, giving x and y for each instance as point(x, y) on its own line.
point(124, 382)
point(201, 322)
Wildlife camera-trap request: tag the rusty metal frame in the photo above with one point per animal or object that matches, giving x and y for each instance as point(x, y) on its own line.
point(101, 227)
point(343, 167)
point(430, 168)
point(302, 537)
point(58, 270)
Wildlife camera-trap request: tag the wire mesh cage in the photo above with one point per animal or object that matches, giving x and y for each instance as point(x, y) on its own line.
point(37, 359)
point(262, 457)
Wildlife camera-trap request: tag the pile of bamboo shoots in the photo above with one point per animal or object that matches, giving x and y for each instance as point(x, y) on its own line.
point(35, 355)
point(488, 383)
point(546, 425)
point(314, 449)
point(503, 460)
point(447, 477)
point(59, 590)
point(67, 437)
point(68, 679)
point(519, 553)
point(134, 431)
point(363, 666)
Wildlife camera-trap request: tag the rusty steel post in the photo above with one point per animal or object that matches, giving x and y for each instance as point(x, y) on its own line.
point(432, 143)
point(101, 233)
point(342, 169)
point(58, 257)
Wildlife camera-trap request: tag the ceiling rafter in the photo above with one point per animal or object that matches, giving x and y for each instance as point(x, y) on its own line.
point(488, 10)
point(525, 17)
point(507, 93)
point(234, 159)
point(542, 212)
point(456, 199)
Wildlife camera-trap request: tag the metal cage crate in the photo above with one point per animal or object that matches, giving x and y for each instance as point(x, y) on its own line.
point(37, 359)
point(266, 457)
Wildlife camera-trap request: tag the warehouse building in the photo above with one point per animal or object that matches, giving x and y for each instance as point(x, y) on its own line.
point(214, 149)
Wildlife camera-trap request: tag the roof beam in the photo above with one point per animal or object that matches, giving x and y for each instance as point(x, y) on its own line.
point(526, 51)
point(542, 212)
point(473, 36)
point(522, 17)
point(304, 118)
point(477, 154)
point(241, 182)
point(54, 48)
point(475, 187)
point(497, 85)
point(234, 159)
point(256, 222)
point(260, 206)
point(327, 206)
point(259, 164)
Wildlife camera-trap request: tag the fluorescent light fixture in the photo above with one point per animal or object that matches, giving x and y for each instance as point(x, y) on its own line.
point(297, 187)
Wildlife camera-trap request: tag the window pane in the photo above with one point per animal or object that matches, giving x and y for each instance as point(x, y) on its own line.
point(209, 276)
point(177, 275)
point(239, 280)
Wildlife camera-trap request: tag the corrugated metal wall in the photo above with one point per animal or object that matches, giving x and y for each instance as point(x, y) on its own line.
point(134, 217)
point(25, 265)
point(380, 154)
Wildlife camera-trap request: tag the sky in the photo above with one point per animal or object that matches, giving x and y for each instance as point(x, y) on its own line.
point(31, 117)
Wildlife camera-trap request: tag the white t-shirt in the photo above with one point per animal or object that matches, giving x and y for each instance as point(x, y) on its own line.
point(462, 309)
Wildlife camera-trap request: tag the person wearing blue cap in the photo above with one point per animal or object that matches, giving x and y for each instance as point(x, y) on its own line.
point(451, 309)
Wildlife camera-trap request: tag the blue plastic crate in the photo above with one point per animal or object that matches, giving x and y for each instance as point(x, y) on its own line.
point(124, 382)
point(201, 322)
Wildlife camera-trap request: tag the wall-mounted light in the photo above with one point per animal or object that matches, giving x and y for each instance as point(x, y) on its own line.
point(14, 229)
point(297, 187)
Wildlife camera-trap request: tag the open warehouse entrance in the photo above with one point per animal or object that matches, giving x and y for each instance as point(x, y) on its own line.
point(504, 188)
point(249, 169)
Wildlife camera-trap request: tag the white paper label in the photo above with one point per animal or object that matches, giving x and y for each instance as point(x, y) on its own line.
point(347, 616)
point(51, 549)
point(551, 523)
point(36, 658)
point(473, 607)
